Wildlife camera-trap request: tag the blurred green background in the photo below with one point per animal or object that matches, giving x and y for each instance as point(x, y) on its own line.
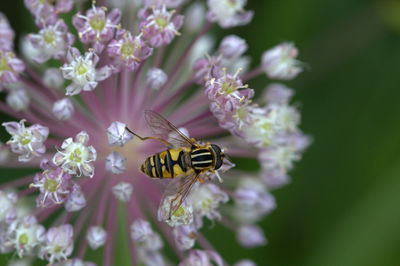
point(342, 206)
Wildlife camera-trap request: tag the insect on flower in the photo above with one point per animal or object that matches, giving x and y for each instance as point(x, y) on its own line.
point(185, 161)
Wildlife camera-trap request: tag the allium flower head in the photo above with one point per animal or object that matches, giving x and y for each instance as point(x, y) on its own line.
point(85, 114)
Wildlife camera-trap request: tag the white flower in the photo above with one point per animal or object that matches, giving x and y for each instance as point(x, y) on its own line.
point(205, 201)
point(8, 209)
point(183, 215)
point(26, 141)
point(59, 243)
point(280, 62)
point(26, 234)
point(82, 71)
point(76, 157)
point(228, 13)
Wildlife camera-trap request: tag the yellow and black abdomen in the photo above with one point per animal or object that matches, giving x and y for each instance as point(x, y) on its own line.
point(167, 164)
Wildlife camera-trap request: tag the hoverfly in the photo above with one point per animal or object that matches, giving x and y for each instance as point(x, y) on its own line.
point(185, 160)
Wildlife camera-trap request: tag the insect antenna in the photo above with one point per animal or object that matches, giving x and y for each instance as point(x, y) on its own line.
point(146, 138)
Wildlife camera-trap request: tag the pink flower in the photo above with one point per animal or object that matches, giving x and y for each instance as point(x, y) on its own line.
point(160, 26)
point(96, 27)
point(128, 52)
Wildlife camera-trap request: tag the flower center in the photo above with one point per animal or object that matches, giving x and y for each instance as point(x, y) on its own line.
point(179, 212)
point(81, 69)
point(50, 185)
point(127, 49)
point(97, 23)
point(48, 37)
point(161, 22)
point(23, 239)
point(3, 64)
point(57, 249)
point(228, 88)
point(24, 139)
point(75, 156)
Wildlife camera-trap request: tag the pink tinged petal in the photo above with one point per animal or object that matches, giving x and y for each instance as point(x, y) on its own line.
point(251, 236)
point(103, 73)
point(72, 53)
point(82, 137)
point(115, 163)
point(16, 64)
point(64, 6)
point(117, 134)
point(78, 22)
point(76, 200)
point(88, 169)
point(114, 16)
point(12, 127)
point(73, 89)
point(9, 76)
point(96, 237)
point(278, 93)
point(40, 131)
point(122, 191)
point(202, 258)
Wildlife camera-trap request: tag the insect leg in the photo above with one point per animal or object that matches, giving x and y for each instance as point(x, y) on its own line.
point(146, 138)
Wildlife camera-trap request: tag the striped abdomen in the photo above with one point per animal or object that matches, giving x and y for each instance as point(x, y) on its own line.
point(202, 159)
point(167, 164)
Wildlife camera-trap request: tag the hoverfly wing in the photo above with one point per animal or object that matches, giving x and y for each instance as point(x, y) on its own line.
point(175, 194)
point(164, 129)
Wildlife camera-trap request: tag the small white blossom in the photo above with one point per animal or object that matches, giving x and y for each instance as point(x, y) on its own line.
point(228, 13)
point(76, 157)
point(63, 109)
point(96, 237)
point(59, 243)
point(122, 191)
point(25, 235)
point(280, 62)
point(183, 215)
point(26, 141)
point(8, 202)
point(205, 201)
point(82, 71)
point(185, 236)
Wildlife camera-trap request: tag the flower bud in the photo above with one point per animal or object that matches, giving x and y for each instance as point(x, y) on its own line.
point(194, 17)
point(96, 237)
point(232, 46)
point(117, 134)
point(280, 62)
point(156, 78)
point(76, 200)
point(63, 109)
point(18, 99)
point(140, 230)
point(115, 163)
point(53, 78)
point(251, 236)
point(122, 191)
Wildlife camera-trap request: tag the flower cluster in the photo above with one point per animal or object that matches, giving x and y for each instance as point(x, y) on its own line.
point(75, 97)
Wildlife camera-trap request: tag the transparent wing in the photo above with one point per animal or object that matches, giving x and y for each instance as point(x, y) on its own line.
point(163, 129)
point(175, 194)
